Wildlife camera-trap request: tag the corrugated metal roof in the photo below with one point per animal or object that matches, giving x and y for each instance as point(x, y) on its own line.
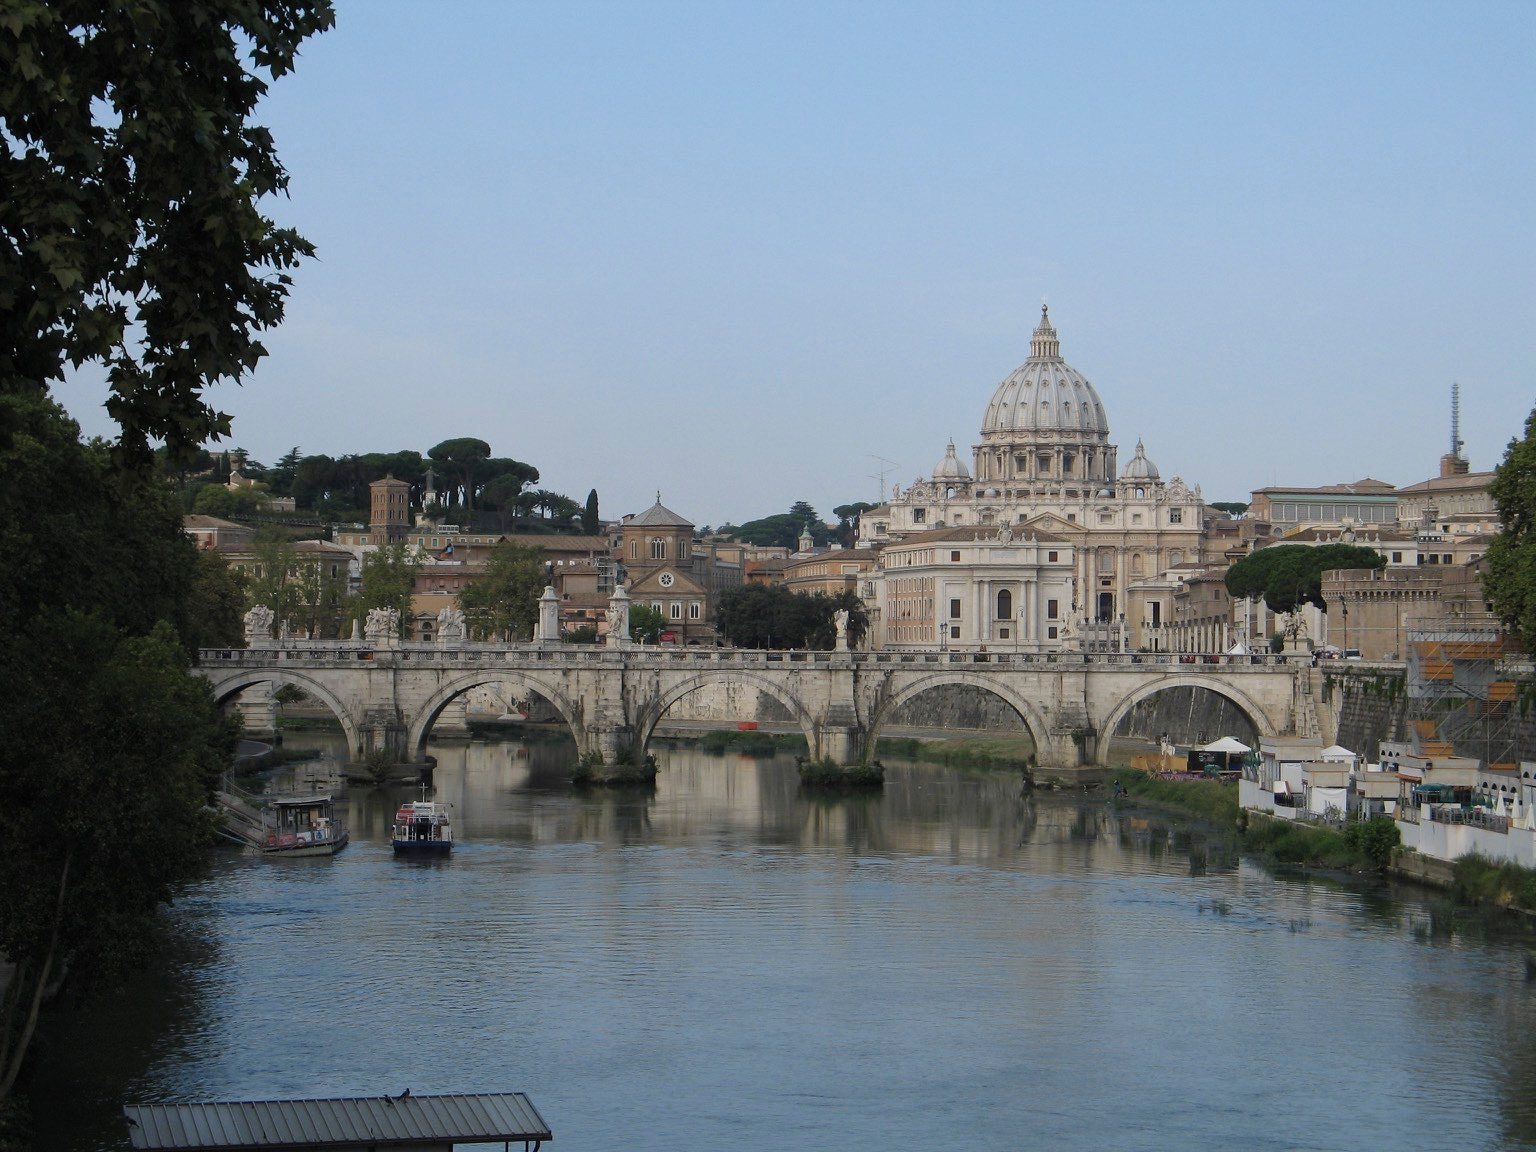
point(361, 1121)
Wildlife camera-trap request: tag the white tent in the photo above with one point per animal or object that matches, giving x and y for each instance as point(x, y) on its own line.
point(1238, 649)
point(1225, 744)
point(1336, 753)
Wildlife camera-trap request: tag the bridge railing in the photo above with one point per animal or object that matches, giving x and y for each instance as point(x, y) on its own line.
point(349, 653)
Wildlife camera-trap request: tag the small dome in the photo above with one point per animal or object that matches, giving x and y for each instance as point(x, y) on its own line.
point(1140, 468)
point(950, 468)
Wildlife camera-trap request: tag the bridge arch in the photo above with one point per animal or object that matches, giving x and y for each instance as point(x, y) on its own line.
point(226, 689)
point(421, 724)
point(652, 712)
point(1034, 719)
point(1262, 722)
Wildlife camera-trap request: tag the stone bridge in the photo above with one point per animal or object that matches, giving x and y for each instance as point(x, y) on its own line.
point(387, 696)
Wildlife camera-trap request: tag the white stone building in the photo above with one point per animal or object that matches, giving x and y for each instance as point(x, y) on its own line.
point(975, 588)
point(1045, 467)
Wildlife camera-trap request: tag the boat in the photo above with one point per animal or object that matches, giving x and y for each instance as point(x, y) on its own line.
point(422, 828)
point(303, 826)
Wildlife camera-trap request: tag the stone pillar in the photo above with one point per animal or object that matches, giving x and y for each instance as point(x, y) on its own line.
point(548, 631)
point(453, 721)
point(383, 731)
point(618, 619)
point(258, 711)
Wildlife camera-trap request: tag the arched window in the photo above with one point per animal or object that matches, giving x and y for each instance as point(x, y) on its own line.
point(1005, 605)
point(658, 548)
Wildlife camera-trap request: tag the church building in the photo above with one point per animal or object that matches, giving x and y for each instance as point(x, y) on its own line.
point(1046, 470)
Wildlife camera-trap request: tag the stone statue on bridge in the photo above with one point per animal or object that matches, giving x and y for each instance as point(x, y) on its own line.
point(450, 626)
point(258, 624)
point(383, 624)
point(840, 620)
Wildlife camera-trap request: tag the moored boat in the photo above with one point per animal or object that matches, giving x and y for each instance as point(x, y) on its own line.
point(422, 827)
point(303, 826)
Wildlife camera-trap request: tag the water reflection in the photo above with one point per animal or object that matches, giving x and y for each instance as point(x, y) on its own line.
point(728, 962)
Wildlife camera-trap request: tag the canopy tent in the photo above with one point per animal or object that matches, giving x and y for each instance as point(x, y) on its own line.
point(1226, 744)
point(1336, 752)
point(1238, 649)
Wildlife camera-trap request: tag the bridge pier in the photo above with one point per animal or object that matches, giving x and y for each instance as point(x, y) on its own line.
point(383, 732)
point(614, 743)
point(258, 711)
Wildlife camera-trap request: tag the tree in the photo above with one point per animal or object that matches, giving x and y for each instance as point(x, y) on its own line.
point(111, 745)
point(1509, 573)
point(590, 524)
point(1290, 575)
point(1233, 508)
point(505, 601)
point(784, 530)
point(389, 576)
point(646, 624)
point(458, 458)
point(763, 616)
point(132, 237)
point(215, 605)
point(848, 521)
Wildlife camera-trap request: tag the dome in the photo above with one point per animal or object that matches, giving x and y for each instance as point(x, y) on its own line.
point(1045, 396)
point(1140, 468)
point(950, 469)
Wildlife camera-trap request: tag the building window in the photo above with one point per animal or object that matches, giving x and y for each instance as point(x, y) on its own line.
point(693, 610)
point(1002, 633)
point(954, 609)
point(1050, 633)
point(658, 549)
point(1141, 493)
point(1175, 515)
point(1397, 557)
point(954, 557)
point(634, 549)
point(918, 515)
point(362, 539)
point(656, 607)
point(1005, 605)
point(954, 633)
point(1135, 517)
point(1051, 557)
point(1053, 610)
point(677, 610)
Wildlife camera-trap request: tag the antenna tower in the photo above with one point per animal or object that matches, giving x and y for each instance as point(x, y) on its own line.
point(887, 465)
point(1456, 420)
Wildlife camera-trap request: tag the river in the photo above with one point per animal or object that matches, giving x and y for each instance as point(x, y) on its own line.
point(727, 964)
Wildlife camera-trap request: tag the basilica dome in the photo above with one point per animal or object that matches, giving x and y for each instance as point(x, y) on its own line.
point(1045, 397)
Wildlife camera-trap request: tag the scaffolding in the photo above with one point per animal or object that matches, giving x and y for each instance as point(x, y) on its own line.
point(1462, 690)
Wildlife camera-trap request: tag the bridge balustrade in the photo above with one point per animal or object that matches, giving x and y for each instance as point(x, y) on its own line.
point(339, 653)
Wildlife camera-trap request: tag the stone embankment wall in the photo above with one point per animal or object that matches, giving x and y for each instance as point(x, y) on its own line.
point(1368, 707)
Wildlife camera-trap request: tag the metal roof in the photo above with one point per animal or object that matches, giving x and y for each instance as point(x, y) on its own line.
point(345, 1122)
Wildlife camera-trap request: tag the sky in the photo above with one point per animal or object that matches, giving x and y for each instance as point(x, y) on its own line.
point(744, 254)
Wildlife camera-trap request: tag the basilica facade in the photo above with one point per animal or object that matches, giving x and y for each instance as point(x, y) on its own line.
point(1044, 470)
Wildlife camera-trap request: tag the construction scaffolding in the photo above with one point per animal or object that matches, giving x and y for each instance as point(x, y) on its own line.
point(1463, 686)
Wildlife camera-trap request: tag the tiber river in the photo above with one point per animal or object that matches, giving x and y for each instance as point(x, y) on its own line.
point(727, 964)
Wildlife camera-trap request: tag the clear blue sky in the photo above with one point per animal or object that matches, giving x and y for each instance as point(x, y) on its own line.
point(739, 252)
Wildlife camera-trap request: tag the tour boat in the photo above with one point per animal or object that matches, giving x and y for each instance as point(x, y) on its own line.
point(422, 828)
point(303, 826)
